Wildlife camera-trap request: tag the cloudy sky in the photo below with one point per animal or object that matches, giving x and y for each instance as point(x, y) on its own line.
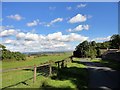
point(37, 27)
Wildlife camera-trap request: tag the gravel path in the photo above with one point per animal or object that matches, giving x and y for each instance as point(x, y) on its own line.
point(102, 77)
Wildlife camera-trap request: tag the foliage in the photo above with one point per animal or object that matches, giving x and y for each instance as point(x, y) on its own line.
point(86, 49)
point(8, 55)
point(92, 49)
point(115, 41)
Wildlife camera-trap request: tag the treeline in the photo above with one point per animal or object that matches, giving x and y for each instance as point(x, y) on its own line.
point(92, 49)
point(8, 55)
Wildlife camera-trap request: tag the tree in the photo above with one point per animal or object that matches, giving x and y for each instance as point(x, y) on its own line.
point(115, 41)
point(86, 49)
point(2, 46)
point(8, 55)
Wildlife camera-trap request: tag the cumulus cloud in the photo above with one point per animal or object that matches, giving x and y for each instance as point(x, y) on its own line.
point(9, 32)
point(38, 42)
point(79, 28)
point(54, 21)
point(15, 17)
point(78, 18)
point(101, 38)
point(66, 38)
point(33, 23)
point(81, 6)
point(9, 41)
point(58, 36)
point(20, 35)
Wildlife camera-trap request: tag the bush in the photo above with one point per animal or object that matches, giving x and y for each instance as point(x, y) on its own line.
point(7, 55)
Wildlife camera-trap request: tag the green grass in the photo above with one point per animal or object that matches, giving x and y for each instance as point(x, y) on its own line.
point(32, 61)
point(72, 77)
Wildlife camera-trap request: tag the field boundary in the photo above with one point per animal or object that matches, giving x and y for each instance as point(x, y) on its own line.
point(42, 64)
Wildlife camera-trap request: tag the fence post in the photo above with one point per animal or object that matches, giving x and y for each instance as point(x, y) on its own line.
point(71, 58)
point(62, 65)
point(58, 65)
point(65, 63)
point(34, 77)
point(50, 69)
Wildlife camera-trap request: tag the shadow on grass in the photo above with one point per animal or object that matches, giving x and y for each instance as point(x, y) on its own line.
point(48, 87)
point(111, 64)
point(78, 76)
point(23, 82)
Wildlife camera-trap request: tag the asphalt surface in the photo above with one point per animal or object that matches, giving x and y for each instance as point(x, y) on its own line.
point(101, 77)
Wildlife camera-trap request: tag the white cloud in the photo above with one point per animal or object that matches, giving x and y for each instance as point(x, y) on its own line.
point(57, 20)
point(7, 32)
point(27, 36)
point(89, 16)
point(52, 8)
point(9, 41)
point(78, 18)
point(54, 21)
point(38, 42)
point(30, 36)
point(79, 28)
point(101, 38)
point(66, 38)
point(81, 5)
point(20, 35)
point(33, 23)
point(86, 27)
point(69, 8)
point(15, 17)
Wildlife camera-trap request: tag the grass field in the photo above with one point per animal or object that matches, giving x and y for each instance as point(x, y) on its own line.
point(31, 61)
point(74, 76)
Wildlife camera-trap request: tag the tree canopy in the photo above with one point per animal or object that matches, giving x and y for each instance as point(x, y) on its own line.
point(115, 41)
point(92, 49)
point(8, 55)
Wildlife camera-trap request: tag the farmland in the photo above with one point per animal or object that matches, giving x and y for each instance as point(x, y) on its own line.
point(74, 76)
point(34, 60)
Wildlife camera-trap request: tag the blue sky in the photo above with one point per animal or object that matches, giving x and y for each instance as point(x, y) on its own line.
point(56, 26)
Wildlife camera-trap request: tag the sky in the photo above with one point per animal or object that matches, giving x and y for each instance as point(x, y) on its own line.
point(58, 26)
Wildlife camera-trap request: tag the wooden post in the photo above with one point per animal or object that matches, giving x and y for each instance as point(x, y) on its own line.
point(71, 59)
point(34, 78)
point(65, 63)
point(58, 65)
point(62, 65)
point(50, 70)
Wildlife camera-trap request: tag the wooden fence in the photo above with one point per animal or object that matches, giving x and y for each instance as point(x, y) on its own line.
point(60, 64)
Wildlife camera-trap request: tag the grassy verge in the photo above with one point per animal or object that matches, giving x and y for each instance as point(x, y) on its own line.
point(72, 77)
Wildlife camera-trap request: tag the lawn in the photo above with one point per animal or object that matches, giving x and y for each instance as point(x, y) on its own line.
point(74, 76)
point(31, 61)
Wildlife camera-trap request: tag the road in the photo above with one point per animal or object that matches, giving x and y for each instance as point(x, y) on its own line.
point(101, 77)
